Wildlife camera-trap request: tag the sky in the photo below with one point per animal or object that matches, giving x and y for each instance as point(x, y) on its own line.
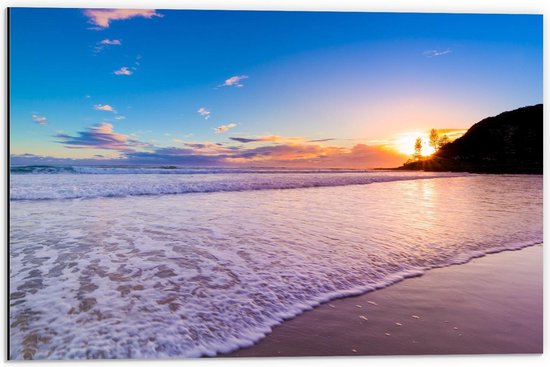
point(292, 89)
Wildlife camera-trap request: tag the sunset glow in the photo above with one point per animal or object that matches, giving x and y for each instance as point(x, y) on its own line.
point(263, 183)
point(350, 90)
point(406, 141)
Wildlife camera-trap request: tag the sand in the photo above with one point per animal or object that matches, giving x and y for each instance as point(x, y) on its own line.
point(491, 305)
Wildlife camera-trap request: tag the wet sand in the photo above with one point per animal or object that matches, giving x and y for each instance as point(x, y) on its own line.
point(491, 305)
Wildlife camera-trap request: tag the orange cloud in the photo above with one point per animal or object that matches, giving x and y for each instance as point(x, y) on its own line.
point(269, 138)
point(360, 156)
point(104, 107)
point(103, 17)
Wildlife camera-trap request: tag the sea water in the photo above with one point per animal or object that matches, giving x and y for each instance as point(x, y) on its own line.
point(125, 262)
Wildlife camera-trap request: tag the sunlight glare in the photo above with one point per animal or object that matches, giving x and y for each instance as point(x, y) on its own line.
point(405, 143)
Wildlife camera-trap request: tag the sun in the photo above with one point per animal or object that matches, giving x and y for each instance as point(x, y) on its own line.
point(404, 143)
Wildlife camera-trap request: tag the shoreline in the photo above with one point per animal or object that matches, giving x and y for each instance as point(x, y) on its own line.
point(489, 305)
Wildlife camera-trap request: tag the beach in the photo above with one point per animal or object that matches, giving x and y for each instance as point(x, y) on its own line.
point(164, 264)
point(491, 305)
point(234, 181)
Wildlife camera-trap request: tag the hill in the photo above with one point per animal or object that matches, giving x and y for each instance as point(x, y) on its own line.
point(511, 142)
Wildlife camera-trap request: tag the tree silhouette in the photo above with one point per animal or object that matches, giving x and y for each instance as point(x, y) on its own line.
point(444, 140)
point(418, 148)
point(434, 139)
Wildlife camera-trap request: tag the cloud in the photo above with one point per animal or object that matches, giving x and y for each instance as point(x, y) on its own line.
point(123, 71)
point(287, 152)
point(172, 155)
point(40, 120)
point(321, 140)
point(103, 17)
point(101, 45)
point(246, 140)
point(234, 81)
point(107, 41)
point(100, 136)
point(360, 156)
point(224, 128)
point(298, 155)
point(104, 107)
point(435, 53)
point(137, 62)
point(209, 148)
point(268, 138)
point(120, 117)
point(204, 113)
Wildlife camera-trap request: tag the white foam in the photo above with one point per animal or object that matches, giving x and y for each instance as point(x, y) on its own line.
point(194, 275)
point(72, 186)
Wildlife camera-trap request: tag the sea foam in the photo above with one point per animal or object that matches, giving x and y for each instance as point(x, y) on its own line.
point(197, 275)
point(62, 185)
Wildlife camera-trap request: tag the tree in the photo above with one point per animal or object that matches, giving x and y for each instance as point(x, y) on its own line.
point(418, 148)
point(444, 140)
point(434, 139)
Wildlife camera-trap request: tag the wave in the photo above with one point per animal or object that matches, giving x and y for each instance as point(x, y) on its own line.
point(207, 274)
point(121, 170)
point(44, 187)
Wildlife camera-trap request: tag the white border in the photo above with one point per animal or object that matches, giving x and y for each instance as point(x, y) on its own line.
point(429, 6)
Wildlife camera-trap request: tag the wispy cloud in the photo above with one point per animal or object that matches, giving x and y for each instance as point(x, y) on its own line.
point(288, 152)
point(234, 81)
point(209, 148)
point(40, 120)
point(171, 155)
point(104, 107)
point(204, 113)
point(123, 71)
point(224, 128)
point(101, 45)
point(208, 153)
point(107, 41)
point(321, 140)
point(103, 17)
point(268, 138)
point(100, 136)
point(435, 53)
point(314, 155)
point(120, 117)
point(246, 140)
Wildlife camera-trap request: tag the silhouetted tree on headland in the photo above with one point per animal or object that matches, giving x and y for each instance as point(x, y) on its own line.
point(436, 142)
point(434, 139)
point(511, 142)
point(443, 140)
point(417, 149)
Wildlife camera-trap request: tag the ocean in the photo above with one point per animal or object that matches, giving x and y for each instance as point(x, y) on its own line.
point(171, 262)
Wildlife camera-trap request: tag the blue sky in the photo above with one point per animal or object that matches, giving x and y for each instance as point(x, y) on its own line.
point(259, 88)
